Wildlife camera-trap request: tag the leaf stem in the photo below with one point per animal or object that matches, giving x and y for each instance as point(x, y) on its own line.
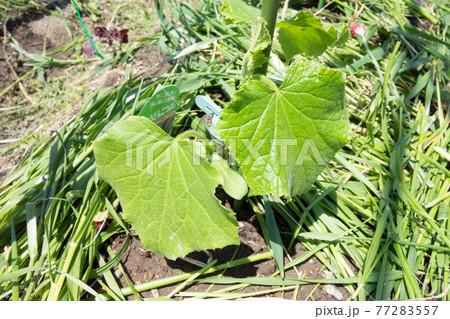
point(269, 14)
point(266, 81)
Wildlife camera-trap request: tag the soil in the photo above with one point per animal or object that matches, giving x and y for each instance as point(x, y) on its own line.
point(7, 163)
point(33, 31)
point(143, 61)
point(423, 23)
point(51, 29)
point(142, 266)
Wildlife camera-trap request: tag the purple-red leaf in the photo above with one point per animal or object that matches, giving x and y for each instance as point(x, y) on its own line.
point(123, 35)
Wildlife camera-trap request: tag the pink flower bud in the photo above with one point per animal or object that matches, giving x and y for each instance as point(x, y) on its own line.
point(357, 29)
point(98, 225)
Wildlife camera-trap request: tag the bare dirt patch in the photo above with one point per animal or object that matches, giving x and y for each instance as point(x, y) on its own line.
point(51, 29)
point(142, 266)
point(34, 31)
point(7, 163)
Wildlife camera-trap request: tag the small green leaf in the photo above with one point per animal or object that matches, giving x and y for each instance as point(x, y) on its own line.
point(283, 137)
point(306, 35)
point(165, 187)
point(100, 216)
point(260, 40)
point(238, 11)
point(233, 183)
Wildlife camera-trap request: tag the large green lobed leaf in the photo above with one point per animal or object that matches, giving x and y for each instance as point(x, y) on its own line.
point(239, 11)
point(283, 137)
point(306, 35)
point(165, 187)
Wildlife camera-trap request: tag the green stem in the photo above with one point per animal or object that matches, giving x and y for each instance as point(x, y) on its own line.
point(188, 281)
point(185, 276)
point(269, 14)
